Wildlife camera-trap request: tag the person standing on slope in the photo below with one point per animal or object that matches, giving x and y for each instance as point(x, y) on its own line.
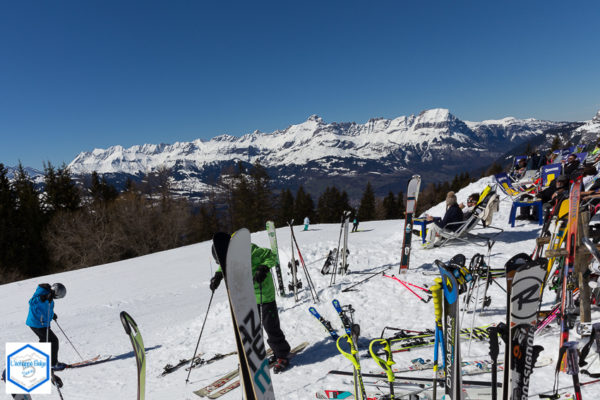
point(306, 223)
point(262, 261)
point(355, 224)
point(41, 314)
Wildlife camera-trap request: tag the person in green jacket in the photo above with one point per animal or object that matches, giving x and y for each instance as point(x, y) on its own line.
point(262, 261)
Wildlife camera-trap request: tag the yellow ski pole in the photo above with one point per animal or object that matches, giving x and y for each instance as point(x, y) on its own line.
point(436, 292)
point(359, 387)
point(385, 364)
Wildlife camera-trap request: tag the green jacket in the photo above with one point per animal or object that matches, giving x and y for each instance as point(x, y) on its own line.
point(262, 256)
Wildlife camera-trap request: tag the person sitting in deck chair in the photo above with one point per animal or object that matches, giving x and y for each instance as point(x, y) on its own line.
point(471, 203)
point(453, 214)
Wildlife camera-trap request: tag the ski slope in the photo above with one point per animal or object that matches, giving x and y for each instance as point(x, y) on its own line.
point(167, 294)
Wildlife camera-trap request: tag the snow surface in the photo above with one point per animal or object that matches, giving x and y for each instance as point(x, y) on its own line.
point(167, 294)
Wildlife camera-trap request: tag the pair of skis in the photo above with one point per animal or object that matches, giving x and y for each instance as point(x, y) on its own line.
point(342, 248)
point(346, 314)
point(228, 382)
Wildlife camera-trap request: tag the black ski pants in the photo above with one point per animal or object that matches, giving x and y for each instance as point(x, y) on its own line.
point(41, 334)
point(275, 337)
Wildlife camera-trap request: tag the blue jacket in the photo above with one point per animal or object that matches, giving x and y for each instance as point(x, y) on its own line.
point(41, 307)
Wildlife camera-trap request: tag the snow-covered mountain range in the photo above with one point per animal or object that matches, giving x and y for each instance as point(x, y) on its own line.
point(434, 143)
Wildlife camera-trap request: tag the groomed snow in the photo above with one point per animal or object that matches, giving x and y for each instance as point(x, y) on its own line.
point(167, 294)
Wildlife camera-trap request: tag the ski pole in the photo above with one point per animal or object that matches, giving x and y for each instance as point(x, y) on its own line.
point(337, 254)
point(260, 305)
point(407, 287)
point(48, 327)
point(386, 364)
point(199, 337)
point(494, 349)
point(572, 358)
point(69, 340)
point(436, 291)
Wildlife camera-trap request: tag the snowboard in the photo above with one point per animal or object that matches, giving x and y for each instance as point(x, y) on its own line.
point(237, 270)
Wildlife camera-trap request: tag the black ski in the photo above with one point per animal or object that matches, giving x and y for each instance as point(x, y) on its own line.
point(412, 195)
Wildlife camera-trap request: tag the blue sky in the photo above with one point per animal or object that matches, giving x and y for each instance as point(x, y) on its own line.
point(79, 75)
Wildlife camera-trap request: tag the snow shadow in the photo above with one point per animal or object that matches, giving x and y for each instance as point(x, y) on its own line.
point(131, 354)
point(317, 352)
point(518, 236)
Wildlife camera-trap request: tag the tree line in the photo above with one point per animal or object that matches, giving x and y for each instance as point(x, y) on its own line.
point(69, 225)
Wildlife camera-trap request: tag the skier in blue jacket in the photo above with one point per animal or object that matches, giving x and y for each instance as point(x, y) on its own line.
point(41, 314)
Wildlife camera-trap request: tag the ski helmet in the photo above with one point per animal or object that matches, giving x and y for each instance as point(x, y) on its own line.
point(59, 290)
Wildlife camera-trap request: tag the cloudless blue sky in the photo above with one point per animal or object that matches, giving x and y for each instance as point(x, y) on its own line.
point(78, 75)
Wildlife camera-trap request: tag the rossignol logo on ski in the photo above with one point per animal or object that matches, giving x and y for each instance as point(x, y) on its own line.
point(526, 298)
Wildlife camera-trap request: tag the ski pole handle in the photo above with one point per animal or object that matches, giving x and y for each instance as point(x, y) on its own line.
point(350, 356)
point(386, 365)
point(436, 292)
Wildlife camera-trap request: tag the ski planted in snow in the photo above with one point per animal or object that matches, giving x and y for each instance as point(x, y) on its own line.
point(131, 329)
point(511, 266)
point(526, 294)
point(275, 249)
point(566, 303)
point(452, 372)
point(295, 284)
point(412, 195)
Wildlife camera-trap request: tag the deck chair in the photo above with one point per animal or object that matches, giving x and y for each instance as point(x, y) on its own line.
point(506, 185)
point(549, 173)
point(483, 212)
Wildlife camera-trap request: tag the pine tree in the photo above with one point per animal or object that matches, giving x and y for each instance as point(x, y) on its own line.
point(494, 169)
point(261, 197)
point(61, 192)
point(303, 206)
point(556, 143)
point(366, 210)
point(30, 223)
point(101, 191)
point(286, 209)
point(8, 243)
point(401, 205)
point(242, 200)
point(390, 207)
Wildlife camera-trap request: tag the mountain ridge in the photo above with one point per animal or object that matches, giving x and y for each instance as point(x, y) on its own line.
point(434, 143)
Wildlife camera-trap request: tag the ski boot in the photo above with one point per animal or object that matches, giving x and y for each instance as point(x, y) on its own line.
point(280, 365)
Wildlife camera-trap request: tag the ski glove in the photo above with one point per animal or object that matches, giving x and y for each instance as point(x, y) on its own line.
point(261, 273)
point(54, 317)
point(216, 280)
